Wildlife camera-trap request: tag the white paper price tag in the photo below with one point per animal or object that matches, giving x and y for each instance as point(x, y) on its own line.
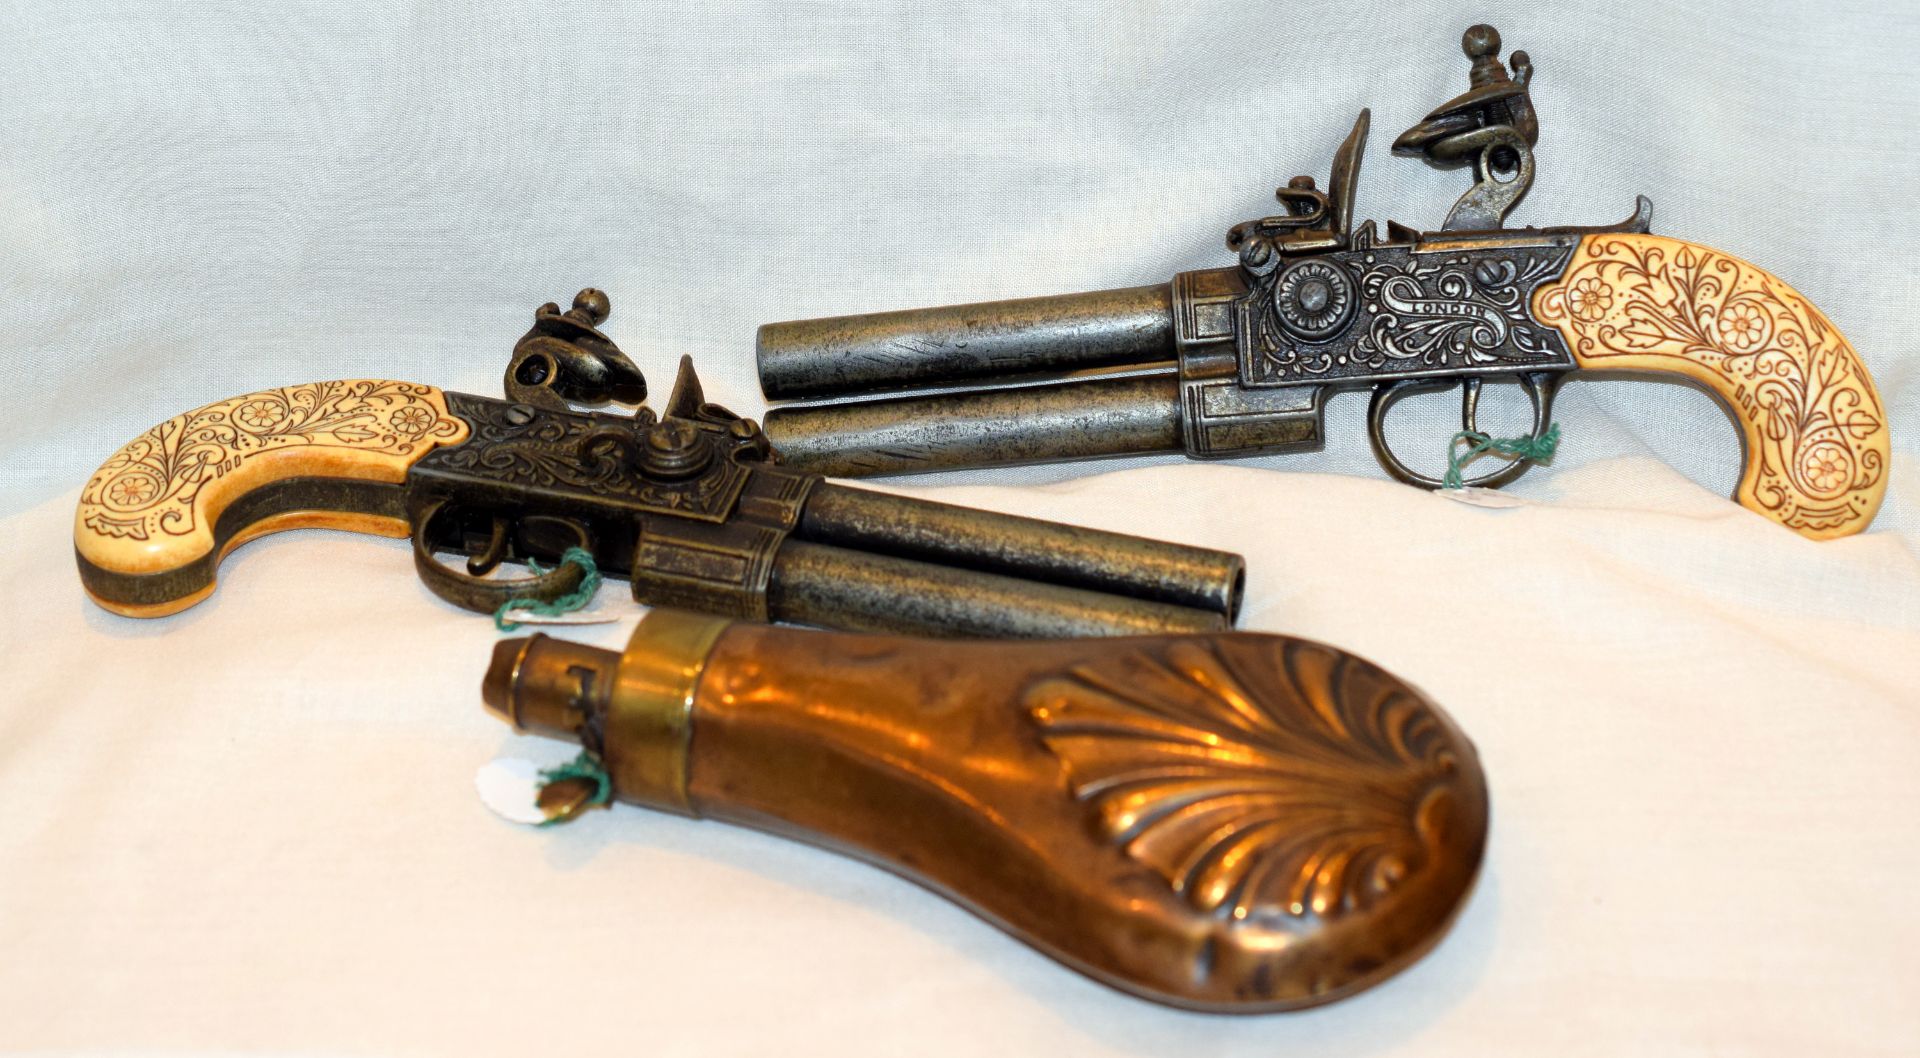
point(510, 788)
point(1491, 499)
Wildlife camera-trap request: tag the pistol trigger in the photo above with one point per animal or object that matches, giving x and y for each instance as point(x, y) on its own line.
point(1384, 397)
point(1386, 394)
point(483, 563)
point(1540, 389)
point(537, 536)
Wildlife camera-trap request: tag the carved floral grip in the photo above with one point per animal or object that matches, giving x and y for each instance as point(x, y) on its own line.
point(1812, 422)
point(156, 518)
point(1233, 823)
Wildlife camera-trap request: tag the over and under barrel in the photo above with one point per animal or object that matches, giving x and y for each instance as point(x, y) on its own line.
point(862, 559)
point(837, 587)
point(1077, 419)
point(871, 561)
point(1030, 549)
point(943, 346)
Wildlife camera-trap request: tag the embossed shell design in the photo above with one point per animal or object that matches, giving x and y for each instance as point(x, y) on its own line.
point(1266, 779)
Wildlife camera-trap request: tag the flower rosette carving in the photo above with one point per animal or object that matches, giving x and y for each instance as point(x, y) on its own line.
point(150, 488)
point(1815, 428)
point(1266, 780)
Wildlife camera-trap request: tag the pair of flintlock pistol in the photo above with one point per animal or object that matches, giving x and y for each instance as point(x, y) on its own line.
point(1222, 821)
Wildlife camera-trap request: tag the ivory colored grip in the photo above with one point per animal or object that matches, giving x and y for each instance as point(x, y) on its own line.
point(1814, 427)
point(150, 528)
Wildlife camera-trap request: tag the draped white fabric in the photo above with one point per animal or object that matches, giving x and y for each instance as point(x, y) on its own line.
point(252, 827)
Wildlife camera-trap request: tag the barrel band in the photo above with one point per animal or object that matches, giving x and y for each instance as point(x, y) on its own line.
point(647, 736)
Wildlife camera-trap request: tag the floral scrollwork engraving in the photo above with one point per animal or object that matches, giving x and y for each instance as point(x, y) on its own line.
point(520, 445)
point(150, 489)
point(1389, 312)
point(1815, 429)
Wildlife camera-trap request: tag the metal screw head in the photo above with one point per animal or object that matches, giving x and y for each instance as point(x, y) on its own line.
point(1314, 295)
point(519, 414)
point(674, 435)
point(674, 449)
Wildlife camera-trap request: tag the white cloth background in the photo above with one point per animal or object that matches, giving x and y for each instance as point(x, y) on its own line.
point(251, 827)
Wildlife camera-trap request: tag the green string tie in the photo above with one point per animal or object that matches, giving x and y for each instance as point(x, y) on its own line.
point(585, 766)
point(1536, 449)
point(576, 599)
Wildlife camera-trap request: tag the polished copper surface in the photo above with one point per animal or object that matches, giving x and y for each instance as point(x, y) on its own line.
point(1223, 822)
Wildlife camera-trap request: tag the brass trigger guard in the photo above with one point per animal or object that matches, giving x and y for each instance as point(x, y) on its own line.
point(470, 591)
point(1539, 389)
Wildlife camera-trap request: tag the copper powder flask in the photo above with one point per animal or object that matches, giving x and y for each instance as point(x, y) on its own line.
point(1225, 822)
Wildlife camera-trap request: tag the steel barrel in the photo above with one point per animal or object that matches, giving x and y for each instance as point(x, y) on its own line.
point(996, 339)
point(1036, 551)
point(819, 584)
point(1078, 419)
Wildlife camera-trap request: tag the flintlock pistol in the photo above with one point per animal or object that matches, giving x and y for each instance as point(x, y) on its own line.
point(1239, 361)
point(691, 506)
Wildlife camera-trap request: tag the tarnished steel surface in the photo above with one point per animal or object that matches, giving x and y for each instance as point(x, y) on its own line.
point(834, 587)
point(899, 350)
point(1228, 822)
point(1079, 419)
point(1068, 555)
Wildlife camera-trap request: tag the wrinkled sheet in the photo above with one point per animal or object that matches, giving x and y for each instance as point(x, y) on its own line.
point(252, 828)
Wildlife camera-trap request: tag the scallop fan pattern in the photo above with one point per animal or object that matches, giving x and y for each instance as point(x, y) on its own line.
point(1262, 777)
